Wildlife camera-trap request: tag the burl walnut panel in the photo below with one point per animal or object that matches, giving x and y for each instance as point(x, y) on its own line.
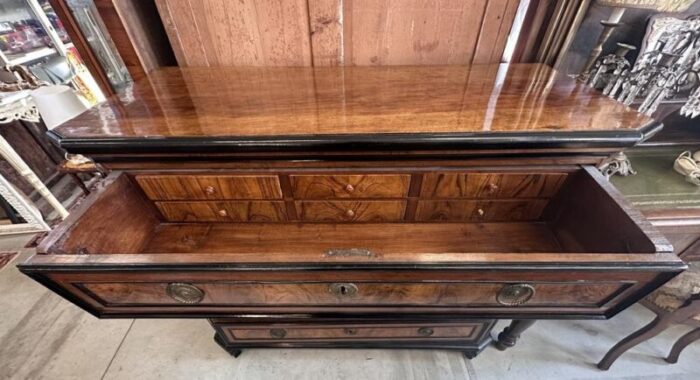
point(479, 211)
point(350, 186)
point(223, 211)
point(350, 211)
point(585, 294)
point(292, 332)
point(204, 187)
point(491, 185)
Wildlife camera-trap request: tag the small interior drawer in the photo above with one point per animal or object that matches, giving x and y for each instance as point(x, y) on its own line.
point(203, 187)
point(350, 186)
point(491, 185)
point(223, 211)
point(350, 211)
point(480, 211)
point(393, 331)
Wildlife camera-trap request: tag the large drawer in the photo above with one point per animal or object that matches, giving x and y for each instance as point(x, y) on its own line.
point(582, 252)
point(350, 331)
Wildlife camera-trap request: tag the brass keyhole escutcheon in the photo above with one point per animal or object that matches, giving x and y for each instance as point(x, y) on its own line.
point(343, 289)
point(515, 294)
point(184, 293)
point(350, 331)
point(210, 190)
point(425, 331)
point(278, 333)
point(349, 188)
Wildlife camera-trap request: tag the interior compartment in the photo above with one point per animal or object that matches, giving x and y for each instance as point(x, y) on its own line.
point(585, 215)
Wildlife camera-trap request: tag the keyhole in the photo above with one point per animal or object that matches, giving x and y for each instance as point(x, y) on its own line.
point(343, 290)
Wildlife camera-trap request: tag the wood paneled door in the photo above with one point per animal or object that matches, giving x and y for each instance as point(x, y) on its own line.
point(337, 32)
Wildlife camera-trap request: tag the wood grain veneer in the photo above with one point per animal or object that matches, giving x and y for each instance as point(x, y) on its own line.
point(185, 187)
point(224, 211)
point(343, 109)
point(350, 186)
point(368, 293)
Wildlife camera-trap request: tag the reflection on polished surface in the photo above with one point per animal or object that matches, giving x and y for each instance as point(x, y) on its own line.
point(248, 101)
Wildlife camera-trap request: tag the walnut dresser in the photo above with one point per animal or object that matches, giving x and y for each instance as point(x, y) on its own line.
point(355, 207)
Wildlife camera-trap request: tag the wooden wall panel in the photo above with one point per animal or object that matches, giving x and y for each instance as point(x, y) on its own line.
point(337, 32)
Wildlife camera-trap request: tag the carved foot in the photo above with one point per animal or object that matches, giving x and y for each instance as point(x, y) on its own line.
point(235, 352)
point(616, 164)
point(510, 335)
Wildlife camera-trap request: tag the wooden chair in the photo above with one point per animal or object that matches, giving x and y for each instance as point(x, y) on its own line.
point(677, 302)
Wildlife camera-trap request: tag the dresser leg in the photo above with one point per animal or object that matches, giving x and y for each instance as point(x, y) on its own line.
point(470, 354)
point(235, 352)
point(509, 336)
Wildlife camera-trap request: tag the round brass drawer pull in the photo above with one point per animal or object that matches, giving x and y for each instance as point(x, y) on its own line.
point(223, 212)
point(515, 294)
point(184, 293)
point(210, 190)
point(350, 213)
point(350, 331)
point(481, 212)
point(492, 188)
point(278, 333)
point(349, 188)
point(425, 331)
point(343, 289)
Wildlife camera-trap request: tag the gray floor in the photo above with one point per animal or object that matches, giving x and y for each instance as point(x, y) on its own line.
point(45, 337)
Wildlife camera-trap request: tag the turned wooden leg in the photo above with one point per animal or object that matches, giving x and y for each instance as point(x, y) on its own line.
point(681, 343)
point(647, 332)
point(509, 336)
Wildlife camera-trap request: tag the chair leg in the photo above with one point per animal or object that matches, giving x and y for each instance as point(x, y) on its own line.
point(647, 332)
point(681, 343)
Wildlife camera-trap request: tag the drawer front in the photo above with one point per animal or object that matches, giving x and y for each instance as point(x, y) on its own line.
point(479, 211)
point(350, 211)
point(293, 332)
point(491, 185)
point(203, 187)
point(312, 294)
point(350, 186)
point(224, 211)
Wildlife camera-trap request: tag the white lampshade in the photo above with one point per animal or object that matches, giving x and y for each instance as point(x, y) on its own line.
point(57, 104)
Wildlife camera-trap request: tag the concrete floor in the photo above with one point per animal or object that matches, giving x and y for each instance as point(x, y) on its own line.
point(44, 337)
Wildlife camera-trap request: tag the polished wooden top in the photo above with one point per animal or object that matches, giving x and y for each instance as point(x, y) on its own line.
point(249, 107)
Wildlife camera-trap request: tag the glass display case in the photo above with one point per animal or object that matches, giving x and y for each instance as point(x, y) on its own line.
point(32, 35)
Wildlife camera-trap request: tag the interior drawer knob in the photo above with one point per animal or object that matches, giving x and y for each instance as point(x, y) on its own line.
point(223, 212)
point(185, 293)
point(492, 188)
point(349, 188)
point(343, 289)
point(425, 331)
point(210, 190)
point(350, 213)
point(278, 333)
point(481, 212)
point(350, 331)
point(515, 294)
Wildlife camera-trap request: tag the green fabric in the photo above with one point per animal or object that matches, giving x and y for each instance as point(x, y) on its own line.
point(657, 185)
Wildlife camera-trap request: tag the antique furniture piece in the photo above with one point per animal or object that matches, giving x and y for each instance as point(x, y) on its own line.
point(355, 206)
point(676, 302)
